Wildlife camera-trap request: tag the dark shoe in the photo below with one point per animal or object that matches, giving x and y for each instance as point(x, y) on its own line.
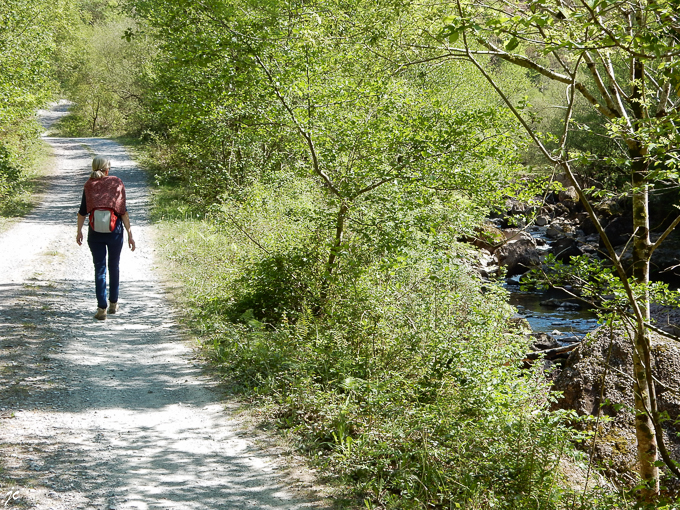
point(113, 307)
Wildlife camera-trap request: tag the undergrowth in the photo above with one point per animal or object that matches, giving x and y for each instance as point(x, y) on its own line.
point(398, 375)
point(23, 156)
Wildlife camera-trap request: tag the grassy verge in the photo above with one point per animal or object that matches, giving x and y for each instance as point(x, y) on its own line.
point(20, 196)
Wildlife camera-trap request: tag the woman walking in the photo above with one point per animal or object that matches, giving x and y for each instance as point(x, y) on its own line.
point(104, 201)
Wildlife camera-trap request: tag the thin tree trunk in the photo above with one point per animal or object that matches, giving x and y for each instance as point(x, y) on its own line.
point(95, 117)
point(333, 254)
point(645, 400)
point(339, 231)
point(644, 391)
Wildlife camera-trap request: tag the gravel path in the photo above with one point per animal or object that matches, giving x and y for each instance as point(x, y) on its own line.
point(111, 414)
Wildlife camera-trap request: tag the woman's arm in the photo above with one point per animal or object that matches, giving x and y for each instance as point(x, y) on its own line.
point(126, 221)
point(79, 235)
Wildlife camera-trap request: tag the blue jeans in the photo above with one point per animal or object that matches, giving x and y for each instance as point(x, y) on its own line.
point(99, 243)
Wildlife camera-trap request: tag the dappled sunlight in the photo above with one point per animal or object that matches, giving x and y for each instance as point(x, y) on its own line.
point(113, 413)
point(165, 454)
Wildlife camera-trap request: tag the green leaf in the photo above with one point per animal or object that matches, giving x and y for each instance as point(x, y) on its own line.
point(511, 44)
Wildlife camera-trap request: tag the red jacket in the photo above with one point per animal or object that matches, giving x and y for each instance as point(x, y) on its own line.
point(107, 192)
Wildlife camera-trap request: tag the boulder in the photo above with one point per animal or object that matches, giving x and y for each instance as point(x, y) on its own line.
point(581, 383)
point(618, 230)
point(514, 206)
point(543, 341)
point(586, 224)
point(554, 231)
point(570, 339)
point(666, 318)
point(608, 207)
point(565, 248)
point(487, 237)
point(559, 303)
point(568, 194)
point(515, 234)
point(547, 210)
point(488, 271)
point(484, 263)
point(559, 209)
point(567, 227)
point(518, 256)
point(542, 220)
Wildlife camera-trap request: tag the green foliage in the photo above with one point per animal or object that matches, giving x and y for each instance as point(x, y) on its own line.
point(409, 387)
point(233, 105)
point(103, 74)
point(29, 31)
point(325, 279)
point(625, 75)
point(94, 12)
point(278, 288)
point(9, 173)
point(21, 154)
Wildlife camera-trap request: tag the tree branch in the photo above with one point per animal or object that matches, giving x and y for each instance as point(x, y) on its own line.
point(592, 67)
point(306, 136)
point(527, 63)
point(372, 187)
point(505, 99)
point(665, 234)
point(519, 60)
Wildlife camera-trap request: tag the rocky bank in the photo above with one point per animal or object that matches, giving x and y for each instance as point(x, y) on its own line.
point(598, 374)
point(561, 227)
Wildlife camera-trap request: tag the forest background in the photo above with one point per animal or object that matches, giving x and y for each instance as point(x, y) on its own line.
point(317, 166)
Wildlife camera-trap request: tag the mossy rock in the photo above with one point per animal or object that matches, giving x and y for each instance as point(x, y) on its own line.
point(581, 383)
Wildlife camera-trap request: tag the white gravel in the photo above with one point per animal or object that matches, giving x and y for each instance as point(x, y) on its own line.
point(112, 414)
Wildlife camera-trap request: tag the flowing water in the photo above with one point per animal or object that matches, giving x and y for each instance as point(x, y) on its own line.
point(547, 319)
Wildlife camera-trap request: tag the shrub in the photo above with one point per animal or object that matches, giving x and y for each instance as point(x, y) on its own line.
point(9, 172)
point(408, 385)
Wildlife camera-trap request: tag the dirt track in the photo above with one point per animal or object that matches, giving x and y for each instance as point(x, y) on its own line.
point(111, 414)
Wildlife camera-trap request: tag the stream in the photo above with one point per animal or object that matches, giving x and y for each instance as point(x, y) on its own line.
point(556, 227)
point(548, 319)
point(570, 320)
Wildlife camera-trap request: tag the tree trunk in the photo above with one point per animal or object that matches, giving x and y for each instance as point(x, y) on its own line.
point(644, 398)
point(644, 388)
point(95, 116)
point(339, 231)
point(332, 255)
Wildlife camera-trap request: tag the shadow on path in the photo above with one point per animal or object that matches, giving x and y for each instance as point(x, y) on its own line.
point(115, 413)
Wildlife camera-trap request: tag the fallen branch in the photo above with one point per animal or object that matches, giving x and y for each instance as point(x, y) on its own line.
point(551, 353)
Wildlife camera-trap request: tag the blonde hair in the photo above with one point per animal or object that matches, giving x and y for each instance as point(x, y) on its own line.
point(99, 166)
